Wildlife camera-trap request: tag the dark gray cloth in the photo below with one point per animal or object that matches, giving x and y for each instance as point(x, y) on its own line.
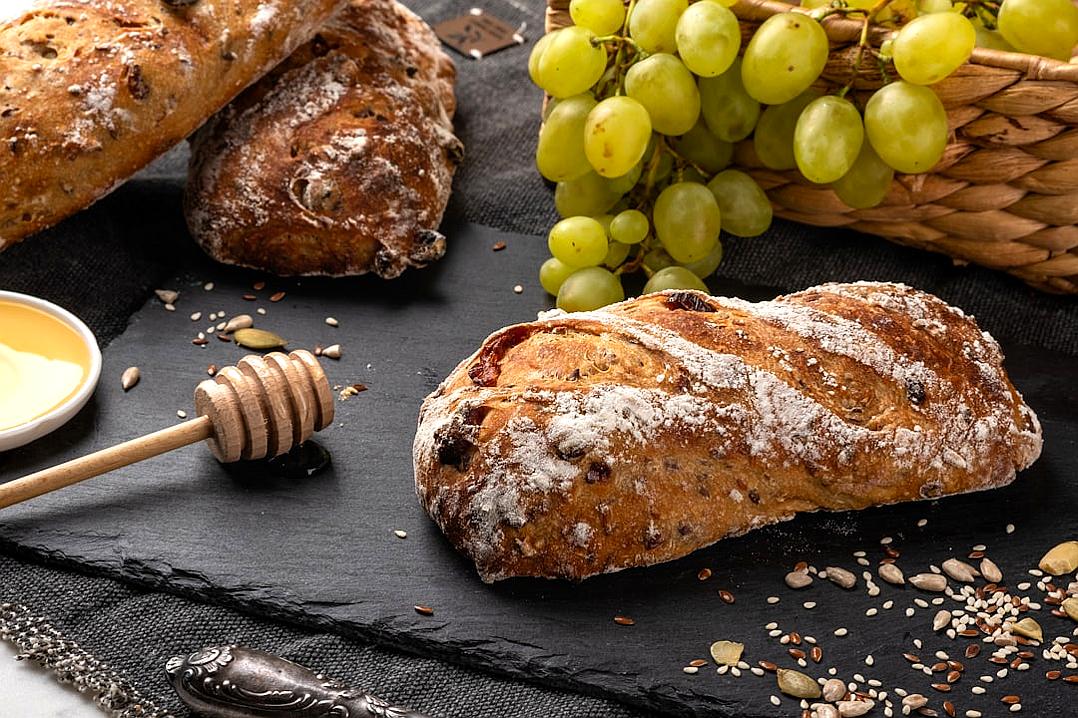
point(103, 263)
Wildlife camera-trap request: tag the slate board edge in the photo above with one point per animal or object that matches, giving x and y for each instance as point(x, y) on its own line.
point(667, 699)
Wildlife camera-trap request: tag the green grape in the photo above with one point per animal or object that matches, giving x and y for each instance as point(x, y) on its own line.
point(991, 39)
point(630, 227)
point(931, 47)
point(729, 111)
point(703, 149)
point(589, 288)
point(622, 185)
point(603, 17)
point(687, 221)
point(560, 152)
point(745, 209)
point(570, 64)
point(907, 126)
point(658, 258)
point(578, 242)
point(867, 182)
point(705, 267)
point(708, 38)
point(726, 3)
point(667, 90)
point(827, 138)
point(930, 6)
point(654, 22)
point(674, 278)
point(1040, 27)
point(616, 254)
point(604, 221)
point(774, 136)
point(616, 135)
point(552, 273)
point(536, 54)
point(785, 56)
point(588, 195)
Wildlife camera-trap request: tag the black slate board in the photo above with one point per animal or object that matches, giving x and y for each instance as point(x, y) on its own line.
point(322, 550)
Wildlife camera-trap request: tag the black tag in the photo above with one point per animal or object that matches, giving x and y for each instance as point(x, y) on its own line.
point(477, 34)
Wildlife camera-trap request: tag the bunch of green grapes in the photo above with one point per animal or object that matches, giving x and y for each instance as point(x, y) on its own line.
point(649, 101)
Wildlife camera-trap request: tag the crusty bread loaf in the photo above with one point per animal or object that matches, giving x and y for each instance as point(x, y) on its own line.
point(340, 161)
point(93, 90)
point(592, 442)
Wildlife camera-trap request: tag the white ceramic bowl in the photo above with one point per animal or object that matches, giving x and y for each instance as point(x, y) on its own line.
point(61, 414)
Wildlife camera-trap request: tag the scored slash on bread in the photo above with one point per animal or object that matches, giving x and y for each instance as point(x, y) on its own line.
point(340, 161)
point(592, 442)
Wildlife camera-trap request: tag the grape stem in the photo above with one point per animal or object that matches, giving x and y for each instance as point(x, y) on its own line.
point(862, 42)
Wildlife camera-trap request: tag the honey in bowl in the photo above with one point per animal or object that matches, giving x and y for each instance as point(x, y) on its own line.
point(43, 363)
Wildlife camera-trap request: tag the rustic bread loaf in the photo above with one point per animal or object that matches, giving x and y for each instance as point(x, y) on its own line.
point(92, 90)
point(592, 442)
point(340, 161)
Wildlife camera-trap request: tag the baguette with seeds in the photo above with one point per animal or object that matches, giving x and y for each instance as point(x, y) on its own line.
point(593, 442)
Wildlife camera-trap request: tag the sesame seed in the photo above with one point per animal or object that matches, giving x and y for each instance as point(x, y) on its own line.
point(400, 534)
point(208, 286)
point(1010, 528)
point(722, 670)
point(775, 701)
point(690, 670)
point(518, 289)
point(910, 612)
point(922, 523)
point(182, 414)
point(809, 605)
point(840, 632)
point(735, 671)
point(888, 605)
point(332, 321)
point(772, 600)
point(871, 612)
point(261, 311)
point(869, 660)
point(771, 626)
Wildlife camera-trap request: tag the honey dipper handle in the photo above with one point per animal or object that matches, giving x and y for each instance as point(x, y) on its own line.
point(87, 467)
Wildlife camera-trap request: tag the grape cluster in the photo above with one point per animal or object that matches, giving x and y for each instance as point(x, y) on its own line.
point(650, 102)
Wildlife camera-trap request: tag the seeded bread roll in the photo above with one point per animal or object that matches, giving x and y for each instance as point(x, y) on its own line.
point(93, 90)
point(340, 161)
point(593, 442)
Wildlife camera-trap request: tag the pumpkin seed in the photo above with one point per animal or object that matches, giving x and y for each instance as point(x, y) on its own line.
point(1070, 606)
point(130, 377)
point(240, 321)
point(726, 653)
point(796, 684)
point(259, 339)
point(1029, 628)
point(1061, 559)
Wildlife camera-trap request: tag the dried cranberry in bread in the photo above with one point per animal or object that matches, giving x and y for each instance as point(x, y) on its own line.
point(92, 90)
point(592, 442)
point(340, 161)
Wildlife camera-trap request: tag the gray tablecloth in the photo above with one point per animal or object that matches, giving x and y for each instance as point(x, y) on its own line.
point(103, 264)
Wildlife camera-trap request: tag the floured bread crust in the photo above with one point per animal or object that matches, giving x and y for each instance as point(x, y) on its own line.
point(92, 90)
point(593, 442)
point(340, 161)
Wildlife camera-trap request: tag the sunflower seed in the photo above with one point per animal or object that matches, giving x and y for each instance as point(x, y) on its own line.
point(798, 579)
point(130, 377)
point(727, 653)
point(1028, 628)
point(833, 690)
point(991, 571)
point(333, 351)
point(258, 339)
point(959, 570)
point(1061, 559)
point(914, 701)
point(240, 321)
point(942, 619)
point(852, 709)
point(891, 574)
point(796, 684)
point(929, 582)
point(840, 577)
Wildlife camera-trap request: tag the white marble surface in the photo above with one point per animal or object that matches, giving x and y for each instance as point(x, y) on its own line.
point(29, 691)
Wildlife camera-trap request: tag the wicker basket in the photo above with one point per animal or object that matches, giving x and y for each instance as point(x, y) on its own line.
point(1005, 193)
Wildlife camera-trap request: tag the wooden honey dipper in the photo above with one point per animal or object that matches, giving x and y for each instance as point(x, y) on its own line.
point(260, 408)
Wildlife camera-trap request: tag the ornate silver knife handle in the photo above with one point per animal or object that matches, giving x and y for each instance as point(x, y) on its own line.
point(237, 682)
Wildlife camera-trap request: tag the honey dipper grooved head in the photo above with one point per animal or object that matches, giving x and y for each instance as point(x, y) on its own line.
point(265, 405)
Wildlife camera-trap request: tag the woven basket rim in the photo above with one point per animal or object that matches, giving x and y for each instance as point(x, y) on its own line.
point(840, 29)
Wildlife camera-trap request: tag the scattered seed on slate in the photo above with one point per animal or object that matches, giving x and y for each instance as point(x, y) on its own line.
point(726, 596)
point(703, 574)
point(623, 620)
point(798, 579)
point(423, 610)
point(400, 534)
point(840, 577)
